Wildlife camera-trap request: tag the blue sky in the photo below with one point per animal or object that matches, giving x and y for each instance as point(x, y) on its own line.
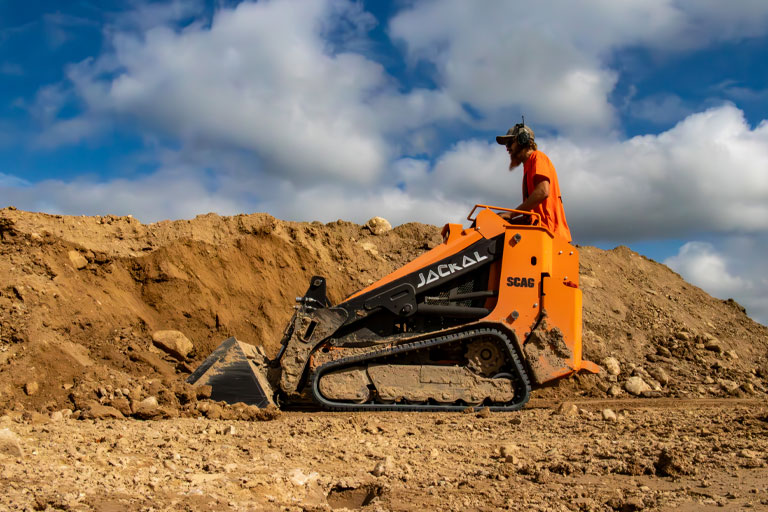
point(652, 111)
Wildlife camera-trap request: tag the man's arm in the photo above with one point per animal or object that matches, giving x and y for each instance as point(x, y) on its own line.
point(539, 194)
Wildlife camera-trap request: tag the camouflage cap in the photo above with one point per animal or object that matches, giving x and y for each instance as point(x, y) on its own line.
point(513, 133)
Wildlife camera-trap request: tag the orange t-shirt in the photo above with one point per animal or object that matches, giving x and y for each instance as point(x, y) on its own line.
point(538, 167)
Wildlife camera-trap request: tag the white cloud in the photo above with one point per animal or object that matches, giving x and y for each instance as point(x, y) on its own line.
point(170, 193)
point(728, 272)
point(700, 264)
point(548, 58)
point(12, 182)
point(272, 78)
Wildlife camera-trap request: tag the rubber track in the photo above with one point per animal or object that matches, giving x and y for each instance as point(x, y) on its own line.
point(419, 345)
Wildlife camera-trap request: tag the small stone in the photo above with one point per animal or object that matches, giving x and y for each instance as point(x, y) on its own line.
point(371, 248)
point(78, 260)
point(609, 415)
point(148, 409)
point(31, 388)
point(96, 411)
point(636, 386)
point(714, 346)
point(748, 387)
point(660, 375)
point(299, 478)
point(379, 470)
point(614, 391)
point(382, 467)
point(57, 416)
point(173, 342)
point(671, 462)
point(506, 450)
point(203, 391)
point(731, 354)
point(378, 225)
point(485, 412)
point(632, 505)
point(663, 351)
point(682, 336)
point(728, 386)
point(9, 444)
point(568, 409)
point(612, 366)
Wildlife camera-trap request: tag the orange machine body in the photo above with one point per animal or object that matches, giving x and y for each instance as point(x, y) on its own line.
point(537, 289)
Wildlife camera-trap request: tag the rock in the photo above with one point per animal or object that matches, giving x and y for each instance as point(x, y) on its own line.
point(382, 467)
point(507, 450)
point(731, 354)
point(636, 386)
point(57, 416)
point(568, 409)
point(748, 454)
point(203, 392)
point(378, 225)
point(682, 335)
point(148, 409)
point(609, 415)
point(299, 479)
point(612, 365)
point(96, 411)
point(614, 391)
point(714, 346)
point(672, 463)
point(9, 444)
point(632, 505)
point(31, 387)
point(78, 260)
point(660, 375)
point(173, 342)
point(485, 412)
point(728, 386)
point(748, 388)
point(123, 405)
point(663, 351)
point(370, 247)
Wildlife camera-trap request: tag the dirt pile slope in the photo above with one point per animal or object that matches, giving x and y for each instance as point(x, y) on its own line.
point(80, 298)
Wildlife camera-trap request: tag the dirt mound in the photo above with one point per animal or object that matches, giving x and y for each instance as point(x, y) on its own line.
point(80, 298)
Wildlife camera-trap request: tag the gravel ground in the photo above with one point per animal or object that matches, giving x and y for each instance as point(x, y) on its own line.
point(642, 455)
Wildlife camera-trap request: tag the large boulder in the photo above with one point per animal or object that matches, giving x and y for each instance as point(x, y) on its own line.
point(173, 342)
point(378, 225)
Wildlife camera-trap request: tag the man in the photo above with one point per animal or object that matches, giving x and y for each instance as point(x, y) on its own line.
point(541, 191)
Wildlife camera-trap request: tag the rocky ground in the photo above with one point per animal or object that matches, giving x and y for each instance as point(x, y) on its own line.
point(651, 455)
point(102, 319)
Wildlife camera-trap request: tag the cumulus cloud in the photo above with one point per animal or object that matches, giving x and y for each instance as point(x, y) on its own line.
point(501, 58)
point(273, 78)
point(170, 193)
point(727, 272)
point(700, 264)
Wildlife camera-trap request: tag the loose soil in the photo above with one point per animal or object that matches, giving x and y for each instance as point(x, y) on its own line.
point(80, 298)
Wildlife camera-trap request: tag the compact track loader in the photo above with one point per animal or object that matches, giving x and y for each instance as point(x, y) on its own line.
point(478, 320)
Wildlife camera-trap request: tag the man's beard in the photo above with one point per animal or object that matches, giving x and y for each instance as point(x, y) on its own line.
point(515, 159)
